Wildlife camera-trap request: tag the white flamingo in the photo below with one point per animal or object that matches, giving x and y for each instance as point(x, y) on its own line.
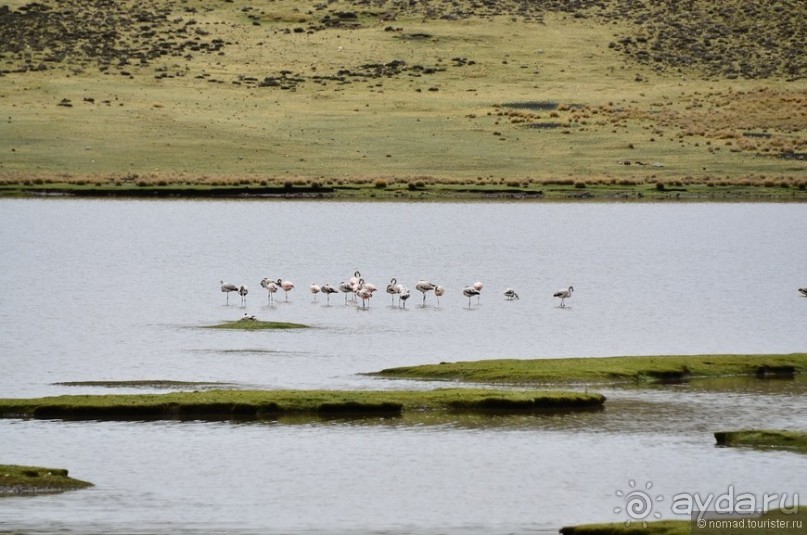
point(243, 291)
point(226, 287)
point(470, 291)
point(564, 295)
point(327, 289)
point(393, 288)
point(438, 293)
point(403, 295)
point(424, 286)
point(315, 289)
point(510, 294)
point(286, 286)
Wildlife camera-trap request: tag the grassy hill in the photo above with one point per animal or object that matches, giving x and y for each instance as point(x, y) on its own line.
point(531, 95)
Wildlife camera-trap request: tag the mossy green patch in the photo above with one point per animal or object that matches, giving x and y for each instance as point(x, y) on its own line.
point(764, 439)
point(15, 480)
point(257, 325)
point(606, 370)
point(663, 527)
point(260, 404)
point(769, 523)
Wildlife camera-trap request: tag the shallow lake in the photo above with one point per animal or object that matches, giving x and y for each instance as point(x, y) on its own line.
point(119, 290)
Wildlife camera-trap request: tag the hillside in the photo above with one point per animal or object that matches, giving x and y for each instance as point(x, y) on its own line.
point(480, 92)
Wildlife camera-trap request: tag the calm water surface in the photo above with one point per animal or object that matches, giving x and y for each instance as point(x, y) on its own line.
point(118, 290)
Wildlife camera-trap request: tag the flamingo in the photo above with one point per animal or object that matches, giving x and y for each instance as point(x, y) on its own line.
point(368, 285)
point(243, 291)
point(226, 287)
point(393, 288)
point(564, 294)
point(286, 286)
point(354, 280)
point(271, 289)
point(510, 294)
point(424, 286)
point(403, 295)
point(478, 287)
point(364, 294)
point(438, 293)
point(315, 289)
point(346, 288)
point(803, 291)
point(470, 291)
point(327, 289)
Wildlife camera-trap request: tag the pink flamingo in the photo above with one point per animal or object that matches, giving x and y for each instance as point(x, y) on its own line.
point(271, 289)
point(315, 289)
point(364, 294)
point(438, 293)
point(286, 286)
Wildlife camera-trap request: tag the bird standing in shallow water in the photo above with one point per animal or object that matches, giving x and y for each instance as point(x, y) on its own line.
point(403, 295)
point(470, 291)
point(564, 295)
point(478, 287)
point(226, 287)
point(315, 289)
point(424, 286)
point(393, 288)
point(287, 286)
point(439, 291)
point(271, 290)
point(327, 289)
point(510, 294)
point(243, 291)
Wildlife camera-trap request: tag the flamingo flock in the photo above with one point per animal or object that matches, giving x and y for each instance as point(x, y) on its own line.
point(358, 289)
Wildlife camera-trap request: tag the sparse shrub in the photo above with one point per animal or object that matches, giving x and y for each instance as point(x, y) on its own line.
point(380, 183)
point(580, 184)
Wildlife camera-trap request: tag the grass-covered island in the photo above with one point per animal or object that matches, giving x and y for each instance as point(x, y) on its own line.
point(769, 523)
point(764, 439)
point(25, 480)
point(605, 370)
point(256, 325)
point(272, 404)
